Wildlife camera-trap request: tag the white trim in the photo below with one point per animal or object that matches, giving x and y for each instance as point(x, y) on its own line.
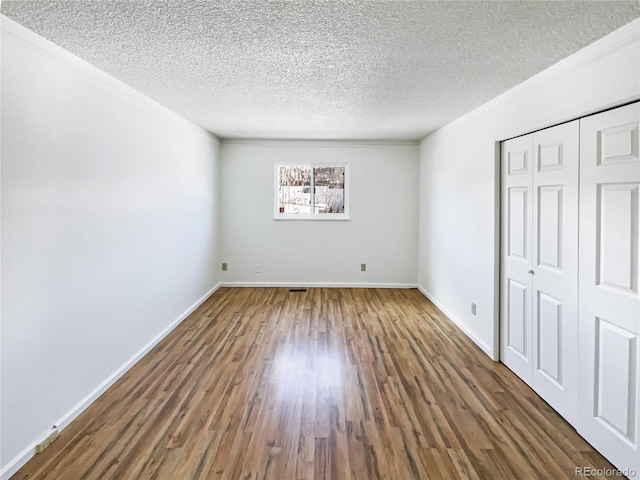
point(22, 458)
point(483, 346)
point(28, 38)
point(322, 217)
point(604, 47)
point(497, 222)
point(297, 143)
point(317, 285)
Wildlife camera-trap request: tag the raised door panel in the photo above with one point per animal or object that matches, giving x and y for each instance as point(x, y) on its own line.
point(608, 285)
point(517, 226)
point(618, 144)
point(616, 360)
point(617, 236)
point(549, 341)
point(550, 226)
point(517, 318)
point(518, 162)
point(550, 155)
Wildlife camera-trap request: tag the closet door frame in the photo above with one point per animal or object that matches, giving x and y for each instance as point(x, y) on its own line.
point(586, 431)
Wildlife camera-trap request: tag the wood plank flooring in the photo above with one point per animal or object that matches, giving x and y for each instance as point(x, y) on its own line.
point(325, 384)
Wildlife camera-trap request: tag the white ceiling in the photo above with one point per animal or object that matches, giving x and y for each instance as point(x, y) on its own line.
point(322, 69)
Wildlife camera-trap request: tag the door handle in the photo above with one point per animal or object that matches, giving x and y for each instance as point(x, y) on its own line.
point(531, 272)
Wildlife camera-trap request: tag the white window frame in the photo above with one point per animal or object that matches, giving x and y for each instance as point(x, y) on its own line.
point(309, 216)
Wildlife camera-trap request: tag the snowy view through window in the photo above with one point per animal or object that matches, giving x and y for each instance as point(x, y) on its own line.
point(307, 190)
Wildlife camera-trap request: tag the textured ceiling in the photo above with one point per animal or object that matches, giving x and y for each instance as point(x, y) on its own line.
point(321, 69)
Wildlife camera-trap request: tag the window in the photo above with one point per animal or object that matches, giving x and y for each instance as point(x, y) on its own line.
point(317, 192)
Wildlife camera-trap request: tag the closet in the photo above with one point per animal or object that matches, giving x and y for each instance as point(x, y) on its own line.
point(569, 299)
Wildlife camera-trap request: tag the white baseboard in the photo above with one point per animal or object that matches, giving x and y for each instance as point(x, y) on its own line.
point(22, 458)
point(485, 348)
point(318, 285)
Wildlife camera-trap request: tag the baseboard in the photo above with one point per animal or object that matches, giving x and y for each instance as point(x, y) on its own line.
point(485, 348)
point(318, 285)
point(22, 458)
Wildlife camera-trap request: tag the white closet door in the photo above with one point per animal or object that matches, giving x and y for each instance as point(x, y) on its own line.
point(539, 330)
point(555, 267)
point(609, 303)
point(516, 343)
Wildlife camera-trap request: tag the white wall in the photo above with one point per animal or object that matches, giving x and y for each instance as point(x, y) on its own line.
point(109, 213)
point(382, 231)
point(458, 248)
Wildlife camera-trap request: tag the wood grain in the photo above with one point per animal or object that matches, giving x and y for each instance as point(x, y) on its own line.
point(263, 383)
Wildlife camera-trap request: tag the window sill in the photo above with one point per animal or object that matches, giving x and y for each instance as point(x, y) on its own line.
point(322, 218)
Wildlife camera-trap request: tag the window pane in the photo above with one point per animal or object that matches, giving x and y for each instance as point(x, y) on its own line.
point(294, 190)
point(329, 189)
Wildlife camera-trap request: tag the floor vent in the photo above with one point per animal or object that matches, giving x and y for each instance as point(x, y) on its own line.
point(297, 289)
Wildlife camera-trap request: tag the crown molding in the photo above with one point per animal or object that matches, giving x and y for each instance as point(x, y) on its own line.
point(315, 143)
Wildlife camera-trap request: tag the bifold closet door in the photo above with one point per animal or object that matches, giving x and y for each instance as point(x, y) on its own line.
point(517, 247)
point(540, 263)
point(555, 267)
point(609, 297)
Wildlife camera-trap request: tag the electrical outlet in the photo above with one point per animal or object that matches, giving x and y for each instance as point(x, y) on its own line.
point(257, 268)
point(473, 308)
point(363, 267)
point(224, 266)
point(48, 440)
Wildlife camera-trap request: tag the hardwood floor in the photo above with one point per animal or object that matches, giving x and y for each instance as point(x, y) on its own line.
point(325, 384)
